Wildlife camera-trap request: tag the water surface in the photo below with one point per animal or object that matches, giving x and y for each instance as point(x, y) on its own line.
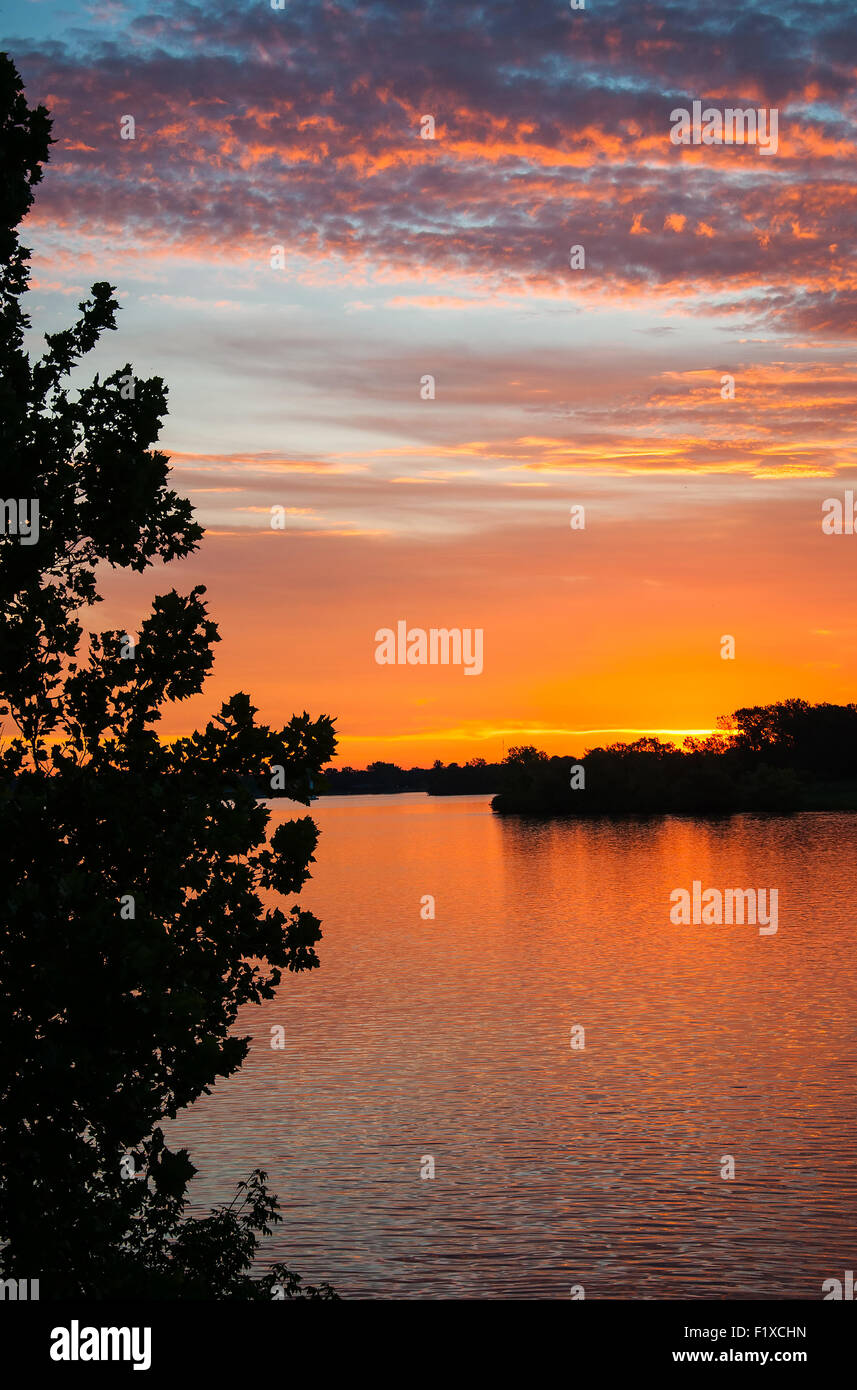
point(553, 1166)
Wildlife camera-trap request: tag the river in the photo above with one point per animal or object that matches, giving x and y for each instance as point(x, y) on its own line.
point(556, 1167)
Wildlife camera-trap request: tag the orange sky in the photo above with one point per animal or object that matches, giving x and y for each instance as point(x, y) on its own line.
point(616, 627)
point(294, 259)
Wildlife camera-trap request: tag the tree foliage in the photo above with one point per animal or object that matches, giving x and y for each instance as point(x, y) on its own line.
point(136, 871)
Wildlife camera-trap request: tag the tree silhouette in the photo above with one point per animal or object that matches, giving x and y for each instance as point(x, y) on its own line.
point(133, 926)
point(784, 757)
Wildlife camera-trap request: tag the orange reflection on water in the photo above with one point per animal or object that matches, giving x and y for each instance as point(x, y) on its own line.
point(555, 1166)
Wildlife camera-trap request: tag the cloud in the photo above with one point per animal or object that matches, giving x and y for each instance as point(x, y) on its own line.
point(301, 128)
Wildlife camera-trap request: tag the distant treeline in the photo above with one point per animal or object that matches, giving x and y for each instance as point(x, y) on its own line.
point(789, 756)
point(452, 780)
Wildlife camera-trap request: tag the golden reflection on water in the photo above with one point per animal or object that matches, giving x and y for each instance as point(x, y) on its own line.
point(554, 1166)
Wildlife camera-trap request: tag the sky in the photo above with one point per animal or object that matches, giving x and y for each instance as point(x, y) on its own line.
point(293, 258)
